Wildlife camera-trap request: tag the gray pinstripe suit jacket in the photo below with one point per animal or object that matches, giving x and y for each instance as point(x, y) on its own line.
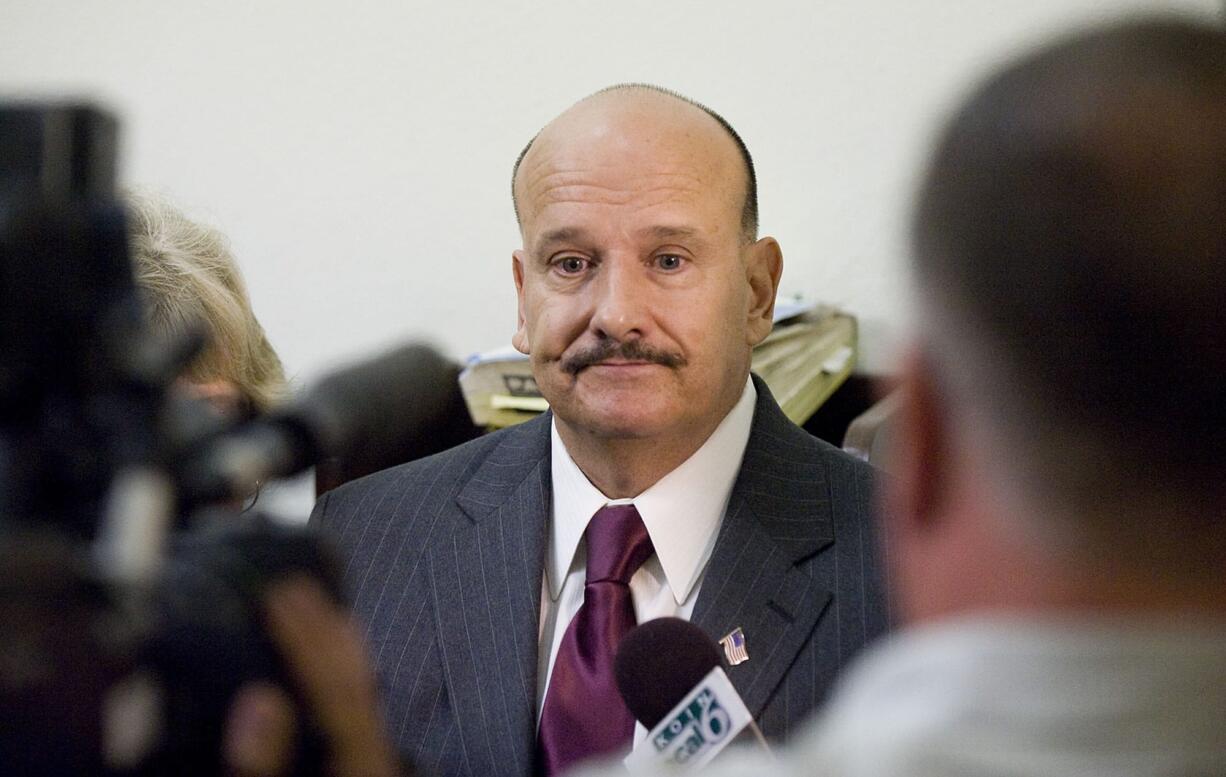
point(445, 562)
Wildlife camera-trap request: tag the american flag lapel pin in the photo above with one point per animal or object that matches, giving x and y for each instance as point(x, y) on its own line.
point(734, 647)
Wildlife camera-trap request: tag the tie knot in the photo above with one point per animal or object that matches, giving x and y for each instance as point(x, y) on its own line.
point(617, 544)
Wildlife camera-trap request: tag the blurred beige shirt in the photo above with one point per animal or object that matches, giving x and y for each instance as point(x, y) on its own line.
point(1001, 696)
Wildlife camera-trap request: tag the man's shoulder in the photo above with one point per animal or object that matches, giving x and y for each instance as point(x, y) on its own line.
point(807, 445)
point(431, 481)
point(453, 463)
point(804, 490)
point(774, 437)
point(842, 465)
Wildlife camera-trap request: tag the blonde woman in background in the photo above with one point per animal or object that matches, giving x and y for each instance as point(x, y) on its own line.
point(189, 278)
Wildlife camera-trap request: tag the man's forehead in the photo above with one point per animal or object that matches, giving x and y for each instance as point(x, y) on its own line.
point(566, 208)
point(616, 179)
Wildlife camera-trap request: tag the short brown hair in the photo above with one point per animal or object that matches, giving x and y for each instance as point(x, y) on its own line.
point(1070, 246)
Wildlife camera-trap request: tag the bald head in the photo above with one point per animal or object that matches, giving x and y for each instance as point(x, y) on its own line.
point(620, 120)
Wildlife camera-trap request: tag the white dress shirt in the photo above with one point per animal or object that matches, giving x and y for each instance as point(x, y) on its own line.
point(682, 511)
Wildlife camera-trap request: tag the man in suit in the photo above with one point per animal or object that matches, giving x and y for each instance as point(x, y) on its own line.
point(494, 580)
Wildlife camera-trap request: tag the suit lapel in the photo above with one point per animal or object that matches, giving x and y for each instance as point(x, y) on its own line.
point(778, 516)
point(487, 585)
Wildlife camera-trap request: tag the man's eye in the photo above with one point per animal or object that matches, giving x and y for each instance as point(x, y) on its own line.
point(571, 265)
point(669, 261)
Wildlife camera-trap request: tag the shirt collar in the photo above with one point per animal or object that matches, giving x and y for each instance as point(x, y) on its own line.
point(682, 511)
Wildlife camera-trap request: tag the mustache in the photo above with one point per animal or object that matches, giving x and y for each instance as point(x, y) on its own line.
point(630, 350)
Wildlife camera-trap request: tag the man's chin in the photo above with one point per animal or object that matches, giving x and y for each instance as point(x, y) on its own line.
point(615, 421)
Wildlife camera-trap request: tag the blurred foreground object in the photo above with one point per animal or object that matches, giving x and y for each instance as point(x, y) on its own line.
point(132, 602)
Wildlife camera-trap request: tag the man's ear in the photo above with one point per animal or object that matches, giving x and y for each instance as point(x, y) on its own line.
point(520, 338)
point(763, 268)
point(919, 482)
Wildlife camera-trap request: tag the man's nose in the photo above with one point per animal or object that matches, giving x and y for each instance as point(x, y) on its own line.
point(622, 310)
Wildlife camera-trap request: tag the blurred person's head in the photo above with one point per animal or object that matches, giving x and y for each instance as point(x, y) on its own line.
point(1063, 446)
point(189, 279)
point(642, 284)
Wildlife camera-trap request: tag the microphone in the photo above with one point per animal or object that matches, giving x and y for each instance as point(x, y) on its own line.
point(389, 403)
point(669, 674)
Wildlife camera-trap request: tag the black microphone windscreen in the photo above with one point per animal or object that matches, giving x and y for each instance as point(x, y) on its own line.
point(375, 405)
point(658, 663)
point(381, 412)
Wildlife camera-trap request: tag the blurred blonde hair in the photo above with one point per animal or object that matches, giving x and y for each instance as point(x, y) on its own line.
point(189, 278)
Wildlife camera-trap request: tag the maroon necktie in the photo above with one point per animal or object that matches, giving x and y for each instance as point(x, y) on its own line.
point(584, 715)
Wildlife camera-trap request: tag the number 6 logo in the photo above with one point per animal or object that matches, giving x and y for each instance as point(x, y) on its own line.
point(715, 722)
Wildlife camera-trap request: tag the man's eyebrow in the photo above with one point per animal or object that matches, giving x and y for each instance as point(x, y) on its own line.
point(580, 235)
point(664, 232)
point(561, 235)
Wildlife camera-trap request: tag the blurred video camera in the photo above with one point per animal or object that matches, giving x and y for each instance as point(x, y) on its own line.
point(130, 592)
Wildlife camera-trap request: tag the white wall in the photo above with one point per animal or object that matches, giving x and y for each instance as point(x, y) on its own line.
point(358, 153)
